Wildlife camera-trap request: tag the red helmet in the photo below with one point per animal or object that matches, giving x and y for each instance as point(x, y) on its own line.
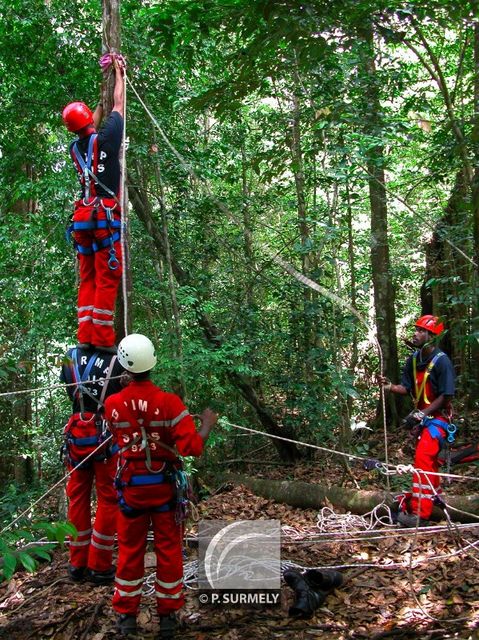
point(431, 324)
point(77, 115)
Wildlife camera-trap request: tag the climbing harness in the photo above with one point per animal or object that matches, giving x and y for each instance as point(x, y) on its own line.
point(420, 391)
point(85, 430)
point(89, 181)
point(171, 472)
point(112, 225)
point(142, 448)
point(87, 168)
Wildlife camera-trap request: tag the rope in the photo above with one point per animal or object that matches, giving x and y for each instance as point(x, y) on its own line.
point(342, 303)
point(386, 468)
point(125, 216)
point(9, 526)
point(54, 386)
point(300, 277)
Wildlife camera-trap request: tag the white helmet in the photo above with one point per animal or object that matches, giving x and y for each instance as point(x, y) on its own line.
point(136, 353)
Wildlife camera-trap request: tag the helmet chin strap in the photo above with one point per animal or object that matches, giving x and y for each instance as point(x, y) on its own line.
point(86, 131)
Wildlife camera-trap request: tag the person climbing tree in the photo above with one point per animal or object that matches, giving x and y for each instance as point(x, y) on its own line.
point(429, 377)
point(150, 428)
point(96, 225)
point(91, 551)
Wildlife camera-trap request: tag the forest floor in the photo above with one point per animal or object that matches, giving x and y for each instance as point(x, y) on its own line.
point(398, 587)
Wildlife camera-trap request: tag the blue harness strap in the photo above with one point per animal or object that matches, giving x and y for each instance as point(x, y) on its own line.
point(79, 379)
point(131, 512)
point(433, 425)
point(152, 478)
point(113, 227)
point(85, 167)
point(91, 225)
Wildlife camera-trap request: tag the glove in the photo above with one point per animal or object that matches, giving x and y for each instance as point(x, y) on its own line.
point(413, 419)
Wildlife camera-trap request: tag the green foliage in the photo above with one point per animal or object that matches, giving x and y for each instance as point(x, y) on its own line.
point(231, 83)
point(23, 546)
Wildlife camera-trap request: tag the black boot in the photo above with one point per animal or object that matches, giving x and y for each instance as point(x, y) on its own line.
point(168, 625)
point(323, 579)
point(307, 599)
point(126, 624)
point(77, 574)
point(101, 577)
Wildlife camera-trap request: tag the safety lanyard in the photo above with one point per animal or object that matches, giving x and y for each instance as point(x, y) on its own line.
point(419, 391)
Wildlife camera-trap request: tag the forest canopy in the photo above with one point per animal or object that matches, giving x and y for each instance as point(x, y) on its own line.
point(342, 137)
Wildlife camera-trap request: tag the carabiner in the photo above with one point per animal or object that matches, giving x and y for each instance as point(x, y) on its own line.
point(113, 262)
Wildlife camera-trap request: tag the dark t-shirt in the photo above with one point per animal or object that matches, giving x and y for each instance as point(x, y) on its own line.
point(442, 375)
point(108, 161)
point(99, 369)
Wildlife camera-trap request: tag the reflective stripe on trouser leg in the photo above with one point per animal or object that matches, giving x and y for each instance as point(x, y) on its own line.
point(132, 534)
point(79, 514)
point(424, 485)
point(106, 289)
point(169, 562)
point(86, 288)
point(103, 536)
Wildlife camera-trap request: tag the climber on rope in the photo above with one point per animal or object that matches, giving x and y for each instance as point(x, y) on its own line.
point(428, 377)
point(91, 551)
point(150, 428)
point(96, 225)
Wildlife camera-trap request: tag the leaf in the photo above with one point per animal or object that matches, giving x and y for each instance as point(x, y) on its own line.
point(41, 553)
point(9, 565)
point(28, 561)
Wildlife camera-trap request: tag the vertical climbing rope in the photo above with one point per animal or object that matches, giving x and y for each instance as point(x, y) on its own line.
point(124, 215)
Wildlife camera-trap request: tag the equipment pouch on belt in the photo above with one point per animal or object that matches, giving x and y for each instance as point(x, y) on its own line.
point(82, 437)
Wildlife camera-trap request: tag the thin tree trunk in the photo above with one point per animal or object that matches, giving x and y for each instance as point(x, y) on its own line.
point(111, 42)
point(294, 141)
point(384, 295)
point(180, 386)
point(474, 343)
point(246, 387)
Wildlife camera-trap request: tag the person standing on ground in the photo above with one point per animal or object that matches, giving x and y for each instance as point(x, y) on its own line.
point(428, 377)
point(93, 376)
point(150, 427)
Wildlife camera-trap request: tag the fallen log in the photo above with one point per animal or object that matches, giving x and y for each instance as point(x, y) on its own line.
point(315, 496)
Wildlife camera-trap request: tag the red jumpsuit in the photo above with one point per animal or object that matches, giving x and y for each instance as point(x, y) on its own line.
point(93, 546)
point(100, 272)
point(96, 230)
point(147, 424)
point(426, 382)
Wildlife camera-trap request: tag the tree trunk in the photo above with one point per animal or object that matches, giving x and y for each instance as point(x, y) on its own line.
point(287, 451)
point(316, 496)
point(111, 42)
point(474, 340)
point(180, 385)
point(440, 288)
point(384, 295)
point(294, 141)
